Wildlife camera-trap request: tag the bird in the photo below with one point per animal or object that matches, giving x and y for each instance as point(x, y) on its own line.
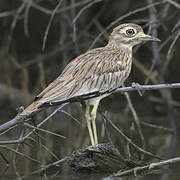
point(93, 75)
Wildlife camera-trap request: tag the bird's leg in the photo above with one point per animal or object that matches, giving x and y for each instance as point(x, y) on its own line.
point(88, 118)
point(93, 118)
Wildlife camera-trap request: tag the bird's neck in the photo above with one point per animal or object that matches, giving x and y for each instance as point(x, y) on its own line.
point(122, 53)
point(119, 46)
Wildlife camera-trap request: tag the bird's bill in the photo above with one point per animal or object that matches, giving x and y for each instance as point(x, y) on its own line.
point(146, 37)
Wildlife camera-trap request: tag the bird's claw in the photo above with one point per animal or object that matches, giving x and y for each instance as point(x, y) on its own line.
point(137, 86)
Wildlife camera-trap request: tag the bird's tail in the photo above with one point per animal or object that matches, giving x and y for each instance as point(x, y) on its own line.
point(31, 108)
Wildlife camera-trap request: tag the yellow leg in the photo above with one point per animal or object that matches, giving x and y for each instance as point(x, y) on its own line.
point(88, 118)
point(93, 118)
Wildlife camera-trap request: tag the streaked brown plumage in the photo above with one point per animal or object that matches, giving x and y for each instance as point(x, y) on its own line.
point(94, 75)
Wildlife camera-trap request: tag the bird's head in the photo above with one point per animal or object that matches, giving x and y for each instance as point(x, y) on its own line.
point(128, 35)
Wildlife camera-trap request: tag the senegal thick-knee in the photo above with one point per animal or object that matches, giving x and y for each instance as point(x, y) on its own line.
point(94, 75)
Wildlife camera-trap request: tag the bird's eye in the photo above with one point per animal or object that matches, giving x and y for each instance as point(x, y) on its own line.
point(130, 32)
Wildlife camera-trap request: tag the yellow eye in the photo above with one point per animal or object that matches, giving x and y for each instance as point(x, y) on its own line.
point(130, 32)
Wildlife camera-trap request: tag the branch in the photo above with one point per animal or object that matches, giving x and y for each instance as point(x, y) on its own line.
point(147, 167)
point(138, 87)
point(13, 122)
point(175, 4)
point(49, 24)
point(45, 167)
point(134, 87)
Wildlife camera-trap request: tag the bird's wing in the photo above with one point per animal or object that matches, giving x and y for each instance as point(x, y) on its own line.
point(94, 71)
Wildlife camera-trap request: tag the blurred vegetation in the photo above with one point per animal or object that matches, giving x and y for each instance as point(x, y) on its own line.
point(69, 28)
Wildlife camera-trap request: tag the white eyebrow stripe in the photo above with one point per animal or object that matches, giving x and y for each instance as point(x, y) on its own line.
point(128, 27)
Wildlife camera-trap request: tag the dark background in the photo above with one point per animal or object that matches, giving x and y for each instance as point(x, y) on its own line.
point(26, 68)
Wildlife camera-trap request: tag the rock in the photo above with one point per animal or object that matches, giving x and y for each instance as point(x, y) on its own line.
point(99, 158)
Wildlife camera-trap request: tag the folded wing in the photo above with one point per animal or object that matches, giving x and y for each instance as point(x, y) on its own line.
point(89, 75)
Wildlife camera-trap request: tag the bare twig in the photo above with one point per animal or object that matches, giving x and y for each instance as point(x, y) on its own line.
point(26, 17)
point(44, 130)
point(136, 120)
point(44, 147)
point(19, 153)
point(44, 168)
point(68, 114)
point(176, 26)
point(173, 43)
point(79, 14)
point(6, 162)
point(150, 166)
point(49, 24)
point(13, 25)
point(157, 127)
point(128, 139)
point(8, 13)
point(15, 156)
point(175, 4)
